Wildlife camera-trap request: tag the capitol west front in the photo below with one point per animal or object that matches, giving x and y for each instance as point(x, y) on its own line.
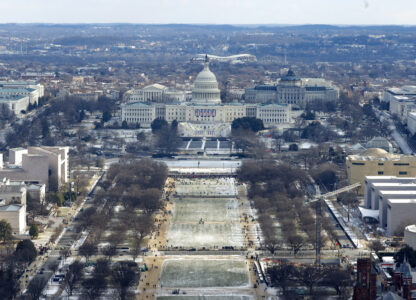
point(204, 115)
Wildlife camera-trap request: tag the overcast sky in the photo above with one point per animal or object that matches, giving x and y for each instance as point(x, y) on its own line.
point(211, 11)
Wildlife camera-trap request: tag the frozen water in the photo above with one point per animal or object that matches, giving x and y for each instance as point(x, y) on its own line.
point(204, 273)
point(204, 298)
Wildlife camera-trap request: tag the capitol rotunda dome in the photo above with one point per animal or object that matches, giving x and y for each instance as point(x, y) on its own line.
point(205, 89)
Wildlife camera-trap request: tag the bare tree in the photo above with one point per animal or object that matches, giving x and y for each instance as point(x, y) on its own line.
point(141, 226)
point(36, 287)
point(376, 246)
point(123, 277)
point(109, 251)
point(72, 276)
point(296, 242)
point(340, 280)
point(282, 276)
point(93, 287)
point(310, 275)
point(87, 250)
point(272, 244)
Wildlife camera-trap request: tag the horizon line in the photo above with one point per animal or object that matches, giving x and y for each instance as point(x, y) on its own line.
point(208, 24)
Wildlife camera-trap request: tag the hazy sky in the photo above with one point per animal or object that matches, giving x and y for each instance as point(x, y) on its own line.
point(211, 11)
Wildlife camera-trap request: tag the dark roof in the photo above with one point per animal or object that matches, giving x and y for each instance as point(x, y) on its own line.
point(290, 76)
point(265, 88)
point(315, 88)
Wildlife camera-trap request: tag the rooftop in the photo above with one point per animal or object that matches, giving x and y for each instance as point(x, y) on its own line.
point(401, 201)
point(16, 90)
point(11, 189)
point(404, 90)
point(11, 207)
point(11, 97)
point(387, 192)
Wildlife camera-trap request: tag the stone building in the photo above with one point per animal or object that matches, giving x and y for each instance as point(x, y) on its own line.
point(373, 162)
point(205, 115)
point(37, 165)
point(291, 89)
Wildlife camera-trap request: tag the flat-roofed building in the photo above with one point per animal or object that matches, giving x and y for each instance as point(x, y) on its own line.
point(386, 196)
point(29, 84)
point(36, 192)
point(373, 162)
point(411, 122)
point(15, 214)
point(15, 103)
point(391, 201)
point(400, 213)
point(402, 101)
point(410, 236)
point(374, 184)
point(32, 94)
point(38, 165)
point(13, 193)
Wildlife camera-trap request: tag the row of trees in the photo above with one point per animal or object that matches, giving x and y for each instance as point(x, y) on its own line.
point(277, 191)
point(288, 277)
point(137, 187)
point(120, 276)
point(167, 138)
point(14, 264)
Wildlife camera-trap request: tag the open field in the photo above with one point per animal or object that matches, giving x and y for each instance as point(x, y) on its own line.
point(204, 273)
point(191, 210)
point(205, 235)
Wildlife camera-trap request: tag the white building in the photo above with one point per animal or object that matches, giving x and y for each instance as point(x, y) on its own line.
point(394, 199)
point(14, 192)
point(400, 106)
point(237, 58)
point(154, 93)
point(410, 236)
point(15, 214)
point(38, 165)
point(205, 115)
point(37, 192)
point(402, 101)
point(32, 94)
point(391, 93)
point(293, 90)
point(24, 85)
point(411, 122)
point(15, 103)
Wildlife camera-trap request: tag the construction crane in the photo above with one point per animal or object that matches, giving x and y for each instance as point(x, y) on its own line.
point(318, 199)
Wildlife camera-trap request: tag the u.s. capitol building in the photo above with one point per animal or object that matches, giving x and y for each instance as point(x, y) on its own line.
point(204, 115)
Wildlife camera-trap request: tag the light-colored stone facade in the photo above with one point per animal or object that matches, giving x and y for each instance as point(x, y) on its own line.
point(293, 90)
point(40, 165)
point(375, 162)
point(15, 214)
point(205, 111)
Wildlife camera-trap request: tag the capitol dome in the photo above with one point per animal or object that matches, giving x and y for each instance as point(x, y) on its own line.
point(205, 89)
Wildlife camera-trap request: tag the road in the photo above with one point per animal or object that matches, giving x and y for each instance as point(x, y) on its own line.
point(395, 134)
point(53, 257)
point(44, 264)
